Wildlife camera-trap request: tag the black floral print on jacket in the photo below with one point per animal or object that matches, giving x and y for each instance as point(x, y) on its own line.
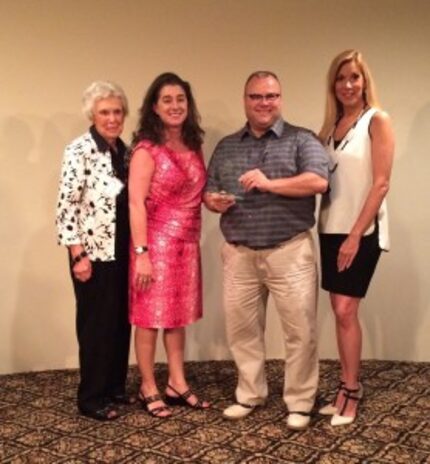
point(86, 207)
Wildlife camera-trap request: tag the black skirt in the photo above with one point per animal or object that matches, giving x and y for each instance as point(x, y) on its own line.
point(355, 280)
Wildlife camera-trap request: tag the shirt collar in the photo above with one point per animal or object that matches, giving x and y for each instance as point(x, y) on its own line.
point(101, 143)
point(276, 129)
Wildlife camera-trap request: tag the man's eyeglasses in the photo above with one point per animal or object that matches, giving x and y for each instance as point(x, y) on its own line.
point(258, 97)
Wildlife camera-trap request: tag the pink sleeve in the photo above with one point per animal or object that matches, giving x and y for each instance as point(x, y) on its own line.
point(146, 145)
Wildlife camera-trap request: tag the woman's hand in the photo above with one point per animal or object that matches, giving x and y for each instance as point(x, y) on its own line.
point(347, 252)
point(143, 272)
point(83, 269)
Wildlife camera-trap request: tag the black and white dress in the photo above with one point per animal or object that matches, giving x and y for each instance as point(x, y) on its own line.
point(350, 183)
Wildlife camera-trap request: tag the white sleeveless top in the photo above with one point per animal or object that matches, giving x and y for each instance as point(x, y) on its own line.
point(350, 182)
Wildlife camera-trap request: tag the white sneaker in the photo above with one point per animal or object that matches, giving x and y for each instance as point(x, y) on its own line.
point(298, 420)
point(238, 411)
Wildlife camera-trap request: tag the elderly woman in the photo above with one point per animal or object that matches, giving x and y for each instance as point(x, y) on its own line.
point(353, 222)
point(92, 222)
point(167, 176)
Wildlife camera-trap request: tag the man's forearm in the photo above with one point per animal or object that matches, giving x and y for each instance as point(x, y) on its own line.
point(302, 185)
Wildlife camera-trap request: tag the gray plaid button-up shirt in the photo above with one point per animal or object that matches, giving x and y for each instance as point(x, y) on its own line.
point(264, 219)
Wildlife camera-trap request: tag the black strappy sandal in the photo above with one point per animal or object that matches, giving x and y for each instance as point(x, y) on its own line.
point(182, 399)
point(107, 413)
point(154, 412)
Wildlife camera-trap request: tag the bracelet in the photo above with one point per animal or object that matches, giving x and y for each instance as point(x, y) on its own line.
point(78, 257)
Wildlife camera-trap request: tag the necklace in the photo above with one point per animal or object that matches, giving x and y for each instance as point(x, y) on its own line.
point(349, 132)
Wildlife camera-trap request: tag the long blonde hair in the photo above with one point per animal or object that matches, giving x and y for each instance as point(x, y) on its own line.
point(333, 108)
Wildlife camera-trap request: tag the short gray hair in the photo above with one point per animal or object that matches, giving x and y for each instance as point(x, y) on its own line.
point(102, 89)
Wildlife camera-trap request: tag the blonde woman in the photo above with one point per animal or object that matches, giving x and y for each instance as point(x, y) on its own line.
point(353, 219)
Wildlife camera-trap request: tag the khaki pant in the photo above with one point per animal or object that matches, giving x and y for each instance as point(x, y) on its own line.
point(289, 274)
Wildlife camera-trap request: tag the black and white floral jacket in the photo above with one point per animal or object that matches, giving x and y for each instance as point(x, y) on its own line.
point(86, 208)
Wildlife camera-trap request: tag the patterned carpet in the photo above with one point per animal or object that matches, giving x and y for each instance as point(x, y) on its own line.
point(39, 422)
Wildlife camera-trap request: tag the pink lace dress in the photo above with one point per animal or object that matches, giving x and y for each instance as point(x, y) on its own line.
point(173, 205)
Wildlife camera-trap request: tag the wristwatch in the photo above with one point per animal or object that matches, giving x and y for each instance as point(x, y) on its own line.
point(139, 250)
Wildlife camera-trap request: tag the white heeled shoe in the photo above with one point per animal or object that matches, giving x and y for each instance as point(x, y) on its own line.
point(330, 409)
point(349, 395)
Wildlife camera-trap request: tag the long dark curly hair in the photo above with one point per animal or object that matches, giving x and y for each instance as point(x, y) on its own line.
point(151, 127)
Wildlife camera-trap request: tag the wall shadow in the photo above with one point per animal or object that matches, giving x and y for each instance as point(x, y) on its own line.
point(398, 303)
point(41, 336)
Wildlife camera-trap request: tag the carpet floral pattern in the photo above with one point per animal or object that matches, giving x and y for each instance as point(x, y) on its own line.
point(39, 421)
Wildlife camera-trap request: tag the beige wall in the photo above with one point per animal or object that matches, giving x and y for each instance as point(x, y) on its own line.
point(51, 49)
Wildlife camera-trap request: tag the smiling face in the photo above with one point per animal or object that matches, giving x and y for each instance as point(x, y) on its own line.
point(262, 101)
point(108, 118)
point(349, 86)
point(172, 106)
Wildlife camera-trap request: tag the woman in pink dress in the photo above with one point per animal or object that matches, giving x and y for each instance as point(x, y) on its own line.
point(167, 176)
